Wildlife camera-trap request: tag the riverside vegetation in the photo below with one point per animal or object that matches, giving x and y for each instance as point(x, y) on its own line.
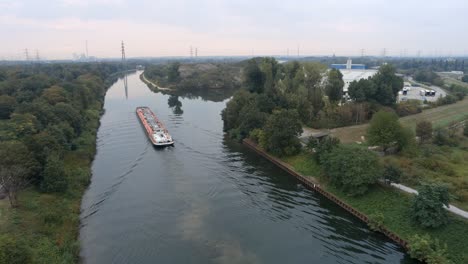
point(278, 99)
point(49, 115)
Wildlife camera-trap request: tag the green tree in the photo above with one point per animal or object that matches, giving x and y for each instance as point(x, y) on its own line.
point(254, 79)
point(362, 90)
point(427, 207)
point(351, 168)
point(281, 131)
point(388, 85)
point(54, 94)
point(424, 131)
point(312, 79)
point(173, 74)
point(69, 114)
point(230, 114)
point(24, 124)
point(54, 177)
point(250, 118)
point(334, 86)
point(7, 106)
point(385, 130)
point(17, 166)
point(465, 129)
point(269, 68)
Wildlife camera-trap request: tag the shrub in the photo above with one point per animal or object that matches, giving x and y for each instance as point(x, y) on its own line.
point(13, 251)
point(408, 108)
point(376, 221)
point(442, 138)
point(427, 207)
point(323, 146)
point(424, 131)
point(392, 173)
point(351, 168)
point(423, 248)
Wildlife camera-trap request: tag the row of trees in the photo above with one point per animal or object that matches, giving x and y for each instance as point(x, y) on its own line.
point(46, 111)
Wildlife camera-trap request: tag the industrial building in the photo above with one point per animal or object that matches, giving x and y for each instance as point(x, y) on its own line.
point(349, 65)
point(353, 72)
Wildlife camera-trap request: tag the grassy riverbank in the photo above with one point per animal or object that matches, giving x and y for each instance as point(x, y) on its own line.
point(394, 206)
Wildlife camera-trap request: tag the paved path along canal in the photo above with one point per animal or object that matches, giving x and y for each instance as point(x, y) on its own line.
point(207, 199)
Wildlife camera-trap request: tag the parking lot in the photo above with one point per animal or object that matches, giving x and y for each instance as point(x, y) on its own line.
point(414, 94)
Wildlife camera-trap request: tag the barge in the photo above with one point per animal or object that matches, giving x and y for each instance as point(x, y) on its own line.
point(155, 130)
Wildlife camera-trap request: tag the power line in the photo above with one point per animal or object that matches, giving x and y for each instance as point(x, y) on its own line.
point(124, 60)
point(26, 54)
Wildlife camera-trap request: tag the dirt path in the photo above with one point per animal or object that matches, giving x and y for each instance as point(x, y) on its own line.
point(154, 84)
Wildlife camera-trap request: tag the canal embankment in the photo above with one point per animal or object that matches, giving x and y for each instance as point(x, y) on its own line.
point(391, 204)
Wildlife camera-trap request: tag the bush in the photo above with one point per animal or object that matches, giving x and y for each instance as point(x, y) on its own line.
point(448, 99)
point(442, 138)
point(392, 173)
point(323, 146)
point(423, 248)
point(465, 129)
point(427, 207)
point(465, 78)
point(351, 168)
point(257, 136)
point(376, 221)
point(13, 251)
point(424, 131)
point(408, 108)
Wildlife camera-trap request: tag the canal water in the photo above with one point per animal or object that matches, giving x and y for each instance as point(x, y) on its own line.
point(207, 199)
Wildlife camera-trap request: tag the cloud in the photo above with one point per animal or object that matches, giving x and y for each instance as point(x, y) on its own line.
point(243, 27)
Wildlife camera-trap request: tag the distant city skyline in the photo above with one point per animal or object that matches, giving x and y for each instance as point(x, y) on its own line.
point(57, 29)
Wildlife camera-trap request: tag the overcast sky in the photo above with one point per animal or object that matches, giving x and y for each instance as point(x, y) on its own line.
point(59, 28)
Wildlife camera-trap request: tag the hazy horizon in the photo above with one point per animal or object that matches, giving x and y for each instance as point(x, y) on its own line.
point(60, 28)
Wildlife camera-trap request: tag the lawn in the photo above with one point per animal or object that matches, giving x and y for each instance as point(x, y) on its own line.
point(439, 116)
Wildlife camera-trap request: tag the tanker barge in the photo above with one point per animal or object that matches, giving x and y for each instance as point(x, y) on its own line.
point(155, 130)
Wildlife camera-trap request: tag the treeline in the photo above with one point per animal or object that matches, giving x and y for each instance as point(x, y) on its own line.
point(195, 76)
point(49, 115)
point(438, 65)
point(279, 97)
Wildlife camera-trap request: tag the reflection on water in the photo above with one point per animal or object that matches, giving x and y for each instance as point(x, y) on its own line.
point(176, 105)
point(206, 200)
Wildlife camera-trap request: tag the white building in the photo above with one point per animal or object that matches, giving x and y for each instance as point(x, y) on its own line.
point(351, 74)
